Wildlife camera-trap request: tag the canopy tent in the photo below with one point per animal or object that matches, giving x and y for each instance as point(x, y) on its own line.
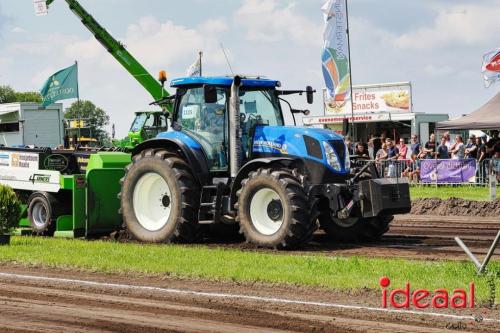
point(486, 117)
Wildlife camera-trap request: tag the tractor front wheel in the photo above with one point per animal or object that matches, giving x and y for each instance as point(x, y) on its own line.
point(274, 210)
point(160, 198)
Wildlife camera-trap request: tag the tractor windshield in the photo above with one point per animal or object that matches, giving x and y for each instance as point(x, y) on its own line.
point(261, 106)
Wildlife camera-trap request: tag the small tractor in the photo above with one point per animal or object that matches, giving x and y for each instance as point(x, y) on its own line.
point(146, 125)
point(230, 159)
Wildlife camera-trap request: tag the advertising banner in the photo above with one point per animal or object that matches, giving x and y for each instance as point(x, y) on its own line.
point(21, 171)
point(391, 98)
point(61, 85)
point(19, 160)
point(338, 119)
point(30, 180)
point(448, 171)
point(335, 56)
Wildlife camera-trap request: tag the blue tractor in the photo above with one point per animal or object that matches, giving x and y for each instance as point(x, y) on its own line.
point(229, 159)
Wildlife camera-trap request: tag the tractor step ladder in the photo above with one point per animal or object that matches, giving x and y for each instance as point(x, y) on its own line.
point(210, 203)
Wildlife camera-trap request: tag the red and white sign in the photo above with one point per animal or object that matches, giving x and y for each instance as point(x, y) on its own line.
point(391, 98)
point(365, 118)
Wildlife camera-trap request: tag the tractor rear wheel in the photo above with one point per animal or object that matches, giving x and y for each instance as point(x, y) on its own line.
point(160, 198)
point(355, 229)
point(42, 213)
point(274, 210)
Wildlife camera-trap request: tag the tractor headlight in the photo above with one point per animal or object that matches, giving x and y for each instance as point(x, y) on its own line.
point(347, 162)
point(331, 156)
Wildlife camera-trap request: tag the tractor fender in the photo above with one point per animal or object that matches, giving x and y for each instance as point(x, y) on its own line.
point(257, 163)
point(194, 157)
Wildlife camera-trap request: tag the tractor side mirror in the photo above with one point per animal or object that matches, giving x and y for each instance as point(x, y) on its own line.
point(210, 93)
point(345, 126)
point(310, 94)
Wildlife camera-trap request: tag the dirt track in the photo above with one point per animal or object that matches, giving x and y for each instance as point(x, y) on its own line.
point(410, 236)
point(66, 306)
point(455, 207)
point(429, 237)
point(28, 305)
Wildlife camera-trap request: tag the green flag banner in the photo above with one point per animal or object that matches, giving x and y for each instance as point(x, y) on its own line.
point(61, 85)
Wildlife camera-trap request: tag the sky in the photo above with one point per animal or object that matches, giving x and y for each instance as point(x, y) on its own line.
point(435, 44)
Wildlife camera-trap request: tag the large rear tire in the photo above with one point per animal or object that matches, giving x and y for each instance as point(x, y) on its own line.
point(160, 198)
point(274, 210)
point(355, 229)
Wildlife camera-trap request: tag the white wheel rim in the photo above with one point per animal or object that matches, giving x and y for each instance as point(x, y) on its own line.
point(152, 201)
point(259, 211)
point(39, 214)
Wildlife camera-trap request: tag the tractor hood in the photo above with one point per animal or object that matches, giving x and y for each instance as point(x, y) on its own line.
point(318, 145)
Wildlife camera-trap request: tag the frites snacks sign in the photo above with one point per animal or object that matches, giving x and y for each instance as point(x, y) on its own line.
point(390, 98)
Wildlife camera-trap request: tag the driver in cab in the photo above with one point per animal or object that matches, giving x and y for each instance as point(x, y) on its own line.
point(213, 118)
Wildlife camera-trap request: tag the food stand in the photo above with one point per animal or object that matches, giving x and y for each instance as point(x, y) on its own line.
point(379, 108)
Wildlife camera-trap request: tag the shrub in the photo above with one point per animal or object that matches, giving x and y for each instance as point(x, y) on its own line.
point(10, 209)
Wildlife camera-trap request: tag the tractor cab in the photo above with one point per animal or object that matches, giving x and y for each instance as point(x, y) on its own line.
point(201, 111)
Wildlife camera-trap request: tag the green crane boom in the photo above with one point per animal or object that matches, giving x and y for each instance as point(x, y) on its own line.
point(147, 124)
point(118, 51)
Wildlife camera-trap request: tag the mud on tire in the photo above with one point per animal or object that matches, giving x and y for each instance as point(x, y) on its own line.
point(160, 198)
point(356, 230)
point(274, 210)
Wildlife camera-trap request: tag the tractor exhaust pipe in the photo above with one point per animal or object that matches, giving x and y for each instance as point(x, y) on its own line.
point(235, 155)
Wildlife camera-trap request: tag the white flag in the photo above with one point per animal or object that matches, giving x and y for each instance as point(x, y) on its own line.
point(195, 68)
point(40, 7)
point(491, 67)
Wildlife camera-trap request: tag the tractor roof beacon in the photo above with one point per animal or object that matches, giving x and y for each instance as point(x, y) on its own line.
point(230, 159)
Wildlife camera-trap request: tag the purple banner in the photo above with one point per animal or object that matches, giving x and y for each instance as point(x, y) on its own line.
point(448, 171)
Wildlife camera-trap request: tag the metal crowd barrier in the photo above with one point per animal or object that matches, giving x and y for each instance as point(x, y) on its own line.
point(411, 170)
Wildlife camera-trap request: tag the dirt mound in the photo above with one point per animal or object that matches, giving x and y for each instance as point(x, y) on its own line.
point(455, 207)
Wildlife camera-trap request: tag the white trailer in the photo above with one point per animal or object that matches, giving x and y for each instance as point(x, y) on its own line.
point(28, 124)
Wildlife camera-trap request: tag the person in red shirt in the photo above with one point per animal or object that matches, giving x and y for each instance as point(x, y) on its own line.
point(403, 149)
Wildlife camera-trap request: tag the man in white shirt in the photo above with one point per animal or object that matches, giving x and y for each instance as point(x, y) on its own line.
point(448, 144)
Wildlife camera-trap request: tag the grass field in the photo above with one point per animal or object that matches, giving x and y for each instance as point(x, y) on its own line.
point(445, 192)
point(236, 265)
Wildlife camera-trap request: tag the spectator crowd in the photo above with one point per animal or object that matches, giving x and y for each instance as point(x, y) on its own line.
point(407, 157)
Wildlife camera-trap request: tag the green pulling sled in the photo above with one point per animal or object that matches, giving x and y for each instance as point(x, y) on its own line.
point(65, 193)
